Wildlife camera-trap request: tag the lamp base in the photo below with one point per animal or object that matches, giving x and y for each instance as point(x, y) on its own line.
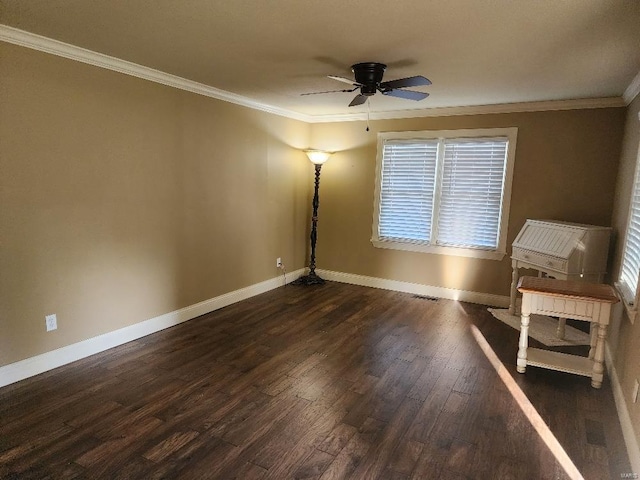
point(311, 279)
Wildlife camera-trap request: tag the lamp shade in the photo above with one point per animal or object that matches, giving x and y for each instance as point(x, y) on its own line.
point(318, 156)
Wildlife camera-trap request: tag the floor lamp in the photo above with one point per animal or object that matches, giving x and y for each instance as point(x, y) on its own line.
point(318, 158)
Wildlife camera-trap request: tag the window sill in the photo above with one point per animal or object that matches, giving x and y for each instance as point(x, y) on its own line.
point(630, 309)
point(438, 250)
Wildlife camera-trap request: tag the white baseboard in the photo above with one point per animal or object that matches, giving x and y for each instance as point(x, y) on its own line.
point(29, 367)
point(417, 288)
point(630, 439)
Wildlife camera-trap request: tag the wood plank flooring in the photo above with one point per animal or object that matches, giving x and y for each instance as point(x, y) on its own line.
point(326, 382)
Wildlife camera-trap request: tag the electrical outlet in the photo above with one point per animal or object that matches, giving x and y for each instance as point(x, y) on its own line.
point(278, 262)
point(51, 322)
point(634, 395)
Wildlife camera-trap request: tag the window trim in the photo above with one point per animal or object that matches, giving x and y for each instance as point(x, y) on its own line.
point(630, 299)
point(510, 133)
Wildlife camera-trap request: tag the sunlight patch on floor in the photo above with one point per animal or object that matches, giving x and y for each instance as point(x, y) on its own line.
point(527, 407)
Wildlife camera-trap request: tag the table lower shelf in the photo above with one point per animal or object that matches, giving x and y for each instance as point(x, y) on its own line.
point(561, 362)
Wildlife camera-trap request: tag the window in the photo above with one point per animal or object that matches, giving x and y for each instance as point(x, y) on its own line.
point(444, 192)
point(630, 268)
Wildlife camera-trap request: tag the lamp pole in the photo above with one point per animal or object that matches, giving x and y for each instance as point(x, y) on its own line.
point(318, 158)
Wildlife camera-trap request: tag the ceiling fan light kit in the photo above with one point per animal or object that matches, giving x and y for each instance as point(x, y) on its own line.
point(368, 78)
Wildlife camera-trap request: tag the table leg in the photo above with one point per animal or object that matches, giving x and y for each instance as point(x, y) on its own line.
point(514, 285)
point(523, 342)
point(598, 359)
point(593, 333)
point(562, 322)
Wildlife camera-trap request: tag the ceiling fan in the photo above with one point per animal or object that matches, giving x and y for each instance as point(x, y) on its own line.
point(368, 78)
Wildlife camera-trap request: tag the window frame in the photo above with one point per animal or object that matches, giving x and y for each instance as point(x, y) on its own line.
point(630, 299)
point(500, 251)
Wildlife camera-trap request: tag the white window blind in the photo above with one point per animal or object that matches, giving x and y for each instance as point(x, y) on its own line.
point(407, 190)
point(631, 256)
point(471, 196)
point(442, 192)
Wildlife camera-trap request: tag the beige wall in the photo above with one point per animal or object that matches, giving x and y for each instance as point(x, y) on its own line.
point(625, 338)
point(122, 199)
point(565, 169)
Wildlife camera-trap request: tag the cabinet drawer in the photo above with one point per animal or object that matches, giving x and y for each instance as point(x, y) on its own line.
point(535, 258)
point(563, 307)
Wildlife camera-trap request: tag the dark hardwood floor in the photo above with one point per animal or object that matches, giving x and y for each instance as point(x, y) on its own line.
point(324, 382)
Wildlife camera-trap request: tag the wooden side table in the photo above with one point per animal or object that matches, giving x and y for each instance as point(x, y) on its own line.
point(588, 302)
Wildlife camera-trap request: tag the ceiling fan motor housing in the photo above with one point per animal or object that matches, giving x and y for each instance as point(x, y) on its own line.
point(369, 75)
point(368, 79)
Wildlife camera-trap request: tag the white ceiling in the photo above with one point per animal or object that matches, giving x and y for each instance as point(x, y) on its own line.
point(476, 52)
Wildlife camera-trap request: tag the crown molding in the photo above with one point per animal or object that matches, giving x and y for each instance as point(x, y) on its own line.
point(551, 105)
point(79, 54)
point(632, 90)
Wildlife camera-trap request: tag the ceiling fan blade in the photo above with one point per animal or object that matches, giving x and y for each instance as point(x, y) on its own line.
point(329, 91)
point(408, 94)
point(342, 79)
point(416, 81)
point(358, 100)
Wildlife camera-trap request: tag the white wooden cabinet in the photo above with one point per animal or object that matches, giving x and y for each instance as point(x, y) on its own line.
point(588, 302)
point(562, 250)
